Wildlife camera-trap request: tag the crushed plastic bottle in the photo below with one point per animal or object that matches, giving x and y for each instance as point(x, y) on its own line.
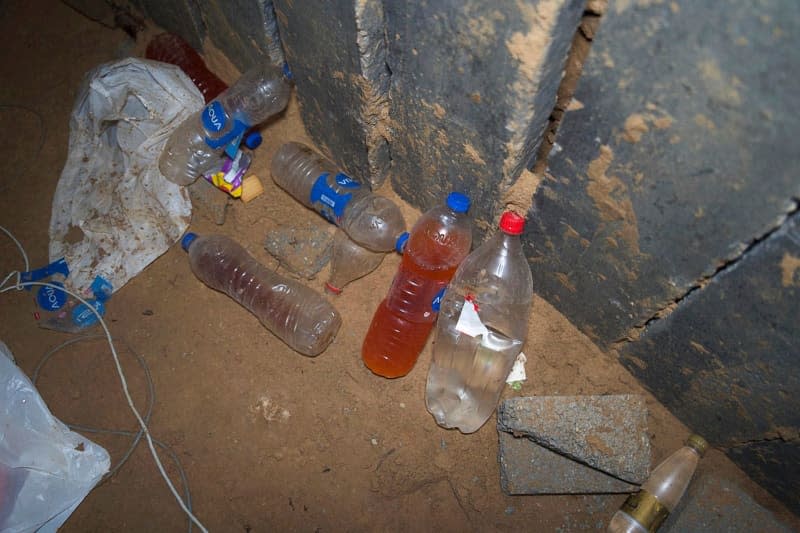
point(349, 262)
point(196, 146)
point(298, 315)
point(437, 244)
point(482, 325)
point(373, 221)
point(646, 510)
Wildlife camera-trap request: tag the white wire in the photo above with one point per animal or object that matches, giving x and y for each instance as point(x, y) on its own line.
point(121, 374)
point(21, 250)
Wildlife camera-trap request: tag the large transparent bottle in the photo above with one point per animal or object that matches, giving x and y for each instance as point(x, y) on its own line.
point(196, 146)
point(482, 325)
point(349, 262)
point(437, 244)
point(298, 315)
point(646, 510)
point(373, 221)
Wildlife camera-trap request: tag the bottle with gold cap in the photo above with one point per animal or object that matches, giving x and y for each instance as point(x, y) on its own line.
point(646, 510)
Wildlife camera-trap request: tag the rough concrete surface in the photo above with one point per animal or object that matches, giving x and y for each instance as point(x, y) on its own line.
point(529, 468)
point(608, 433)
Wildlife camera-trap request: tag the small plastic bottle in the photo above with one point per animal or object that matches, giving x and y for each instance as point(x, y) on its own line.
point(482, 325)
point(438, 242)
point(646, 510)
point(196, 146)
point(173, 49)
point(371, 220)
point(349, 262)
point(298, 315)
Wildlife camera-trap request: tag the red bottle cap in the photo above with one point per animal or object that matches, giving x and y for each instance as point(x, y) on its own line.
point(512, 223)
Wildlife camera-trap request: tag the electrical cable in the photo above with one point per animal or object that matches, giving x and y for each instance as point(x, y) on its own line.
point(137, 436)
point(123, 381)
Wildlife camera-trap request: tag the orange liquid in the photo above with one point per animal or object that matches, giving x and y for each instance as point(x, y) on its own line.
point(403, 321)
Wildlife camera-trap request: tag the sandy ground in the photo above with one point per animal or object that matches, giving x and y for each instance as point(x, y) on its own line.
point(270, 440)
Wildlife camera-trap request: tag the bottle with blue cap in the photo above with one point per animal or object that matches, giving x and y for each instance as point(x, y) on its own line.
point(437, 244)
point(198, 144)
point(296, 314)
point(371, 220)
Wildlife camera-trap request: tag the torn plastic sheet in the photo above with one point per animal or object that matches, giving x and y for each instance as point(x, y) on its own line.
point(46, 470)
point(113, 212)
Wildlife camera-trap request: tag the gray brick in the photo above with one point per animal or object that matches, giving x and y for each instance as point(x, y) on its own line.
point(528, 468)
point(608, 433)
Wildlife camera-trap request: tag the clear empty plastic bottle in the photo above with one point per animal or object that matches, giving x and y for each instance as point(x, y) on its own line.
point(298, 315)
point(646, 510)
point(349, 262)
point(438, 242)
point(196, 146)
point(371, 220)
point(482, 325)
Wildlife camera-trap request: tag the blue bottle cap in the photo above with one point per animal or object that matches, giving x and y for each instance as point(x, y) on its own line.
point(287, 72)
point(50, 298)
point(253, 140)
point(458, 202)
point(401, 242)
point(187, 240)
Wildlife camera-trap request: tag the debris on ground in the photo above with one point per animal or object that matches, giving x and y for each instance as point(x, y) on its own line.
point(303, 250)
point(209, 201)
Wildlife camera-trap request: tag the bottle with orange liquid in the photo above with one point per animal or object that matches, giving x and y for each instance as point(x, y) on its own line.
point(437, 244)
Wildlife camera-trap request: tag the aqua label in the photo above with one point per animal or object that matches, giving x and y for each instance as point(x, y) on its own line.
point(326, 201)
point(83, 316)
point(214, 117)
point(437, 300)
point(51, 298)
point(343, 180)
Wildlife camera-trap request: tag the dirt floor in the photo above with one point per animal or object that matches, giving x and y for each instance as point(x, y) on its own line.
point(269, 439)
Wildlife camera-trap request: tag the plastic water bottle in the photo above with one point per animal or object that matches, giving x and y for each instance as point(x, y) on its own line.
point(371, 220)
point(349, 262)
point(196, 146)
point(481, 328)
point(646, 510)
point(438, 242)
point(298, 315)
point(173, 49)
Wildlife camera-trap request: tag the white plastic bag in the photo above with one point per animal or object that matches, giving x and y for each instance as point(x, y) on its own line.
point(113, 212)
point(46, 470)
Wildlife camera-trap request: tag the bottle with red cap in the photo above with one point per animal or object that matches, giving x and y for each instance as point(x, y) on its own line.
point(482, 325)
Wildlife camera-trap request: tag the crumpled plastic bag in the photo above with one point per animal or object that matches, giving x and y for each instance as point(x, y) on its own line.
point(113, 212)
point(46, 470)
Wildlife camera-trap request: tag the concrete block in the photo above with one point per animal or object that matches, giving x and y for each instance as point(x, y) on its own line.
point(181, 17)
point(244, 30)
point(679, 152)
point(528, 468)
point(724, 361)
point(342, 101)
point(473, 85)
point(441, 96)
point(304, 250)
point(607, 433)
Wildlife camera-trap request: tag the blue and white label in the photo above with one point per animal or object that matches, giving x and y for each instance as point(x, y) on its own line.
point(56, 267)
point(83, 316)
point(326, 201)
point(343, 180)
point(51, 298)
point(437, 300)
point(214, 117)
